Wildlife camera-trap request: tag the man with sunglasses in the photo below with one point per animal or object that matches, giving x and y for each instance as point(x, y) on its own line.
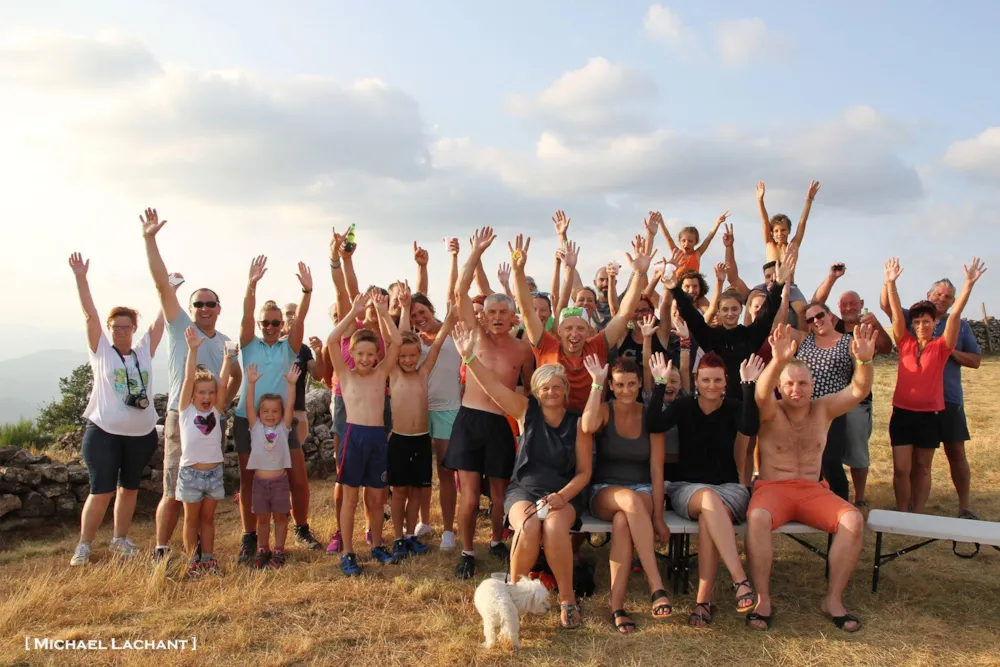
point(203, 313)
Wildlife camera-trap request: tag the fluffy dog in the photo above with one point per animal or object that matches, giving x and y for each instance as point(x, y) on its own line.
point(500, 604)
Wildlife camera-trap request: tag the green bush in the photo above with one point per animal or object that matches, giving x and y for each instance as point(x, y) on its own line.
point(22, 434)
point(66, 414)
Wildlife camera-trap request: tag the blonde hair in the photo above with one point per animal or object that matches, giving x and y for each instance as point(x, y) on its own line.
point(545, 373)
point(272, 305)
point(204, 375)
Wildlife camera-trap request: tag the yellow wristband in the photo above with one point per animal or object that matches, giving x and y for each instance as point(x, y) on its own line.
point(863, 363)
point(469, 360)
point(596, 386)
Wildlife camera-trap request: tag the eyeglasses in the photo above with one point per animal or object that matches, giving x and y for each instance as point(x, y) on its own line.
point(205, 304)
point(818, 316)
point(122, 327)
point(269, 323)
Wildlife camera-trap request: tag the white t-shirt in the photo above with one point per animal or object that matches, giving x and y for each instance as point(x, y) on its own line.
point(269, 447)
point(106, 407)
point(201, 436)
point(444, 384)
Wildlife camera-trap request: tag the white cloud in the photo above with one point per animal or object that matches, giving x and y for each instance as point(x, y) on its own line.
point(663, 24)
point(743, 41)
point(53, 61)
point(978, 157)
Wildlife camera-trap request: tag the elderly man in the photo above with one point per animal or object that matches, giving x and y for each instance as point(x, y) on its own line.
point(954, 428)
point(859, 420)
point(792, 438)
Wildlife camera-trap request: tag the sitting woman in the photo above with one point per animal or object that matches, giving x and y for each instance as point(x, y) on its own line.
point(707, 487)
point(552, 466)
point(627, 483)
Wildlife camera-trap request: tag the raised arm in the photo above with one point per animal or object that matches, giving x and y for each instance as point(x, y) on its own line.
point(482, 282)
point(783, 271)
point(711, 235)
point(481, 240)
point(555, 291)
point(93, 320)
point(732, 270)
point(333, 343)
point(640, 266)
point(862, 349)
point(390, 333)
point(156, 333)
point(800, 231)
point(258, 267)
point(649, 328)
point(420, 257)
point(252, 377)
point(317, 365)
point(151, 224)
point(892, 272)
point(193, 341)
point(663, 227)
point(453, 248)
point(225, 376)
point(533, 325)
point(783, 348)
point(297, 332)
point(954, 323)
point(822, 292)
point(291, 377)
point(765, 221)
point(341, 295)
point(749, 419)
point(595, 413)
point(659, 420)
point(511, 402)
point(614, 305)
point(567, 290)
point(665, 316)
point(350, 276)
point(503, 275)
point(720, 281)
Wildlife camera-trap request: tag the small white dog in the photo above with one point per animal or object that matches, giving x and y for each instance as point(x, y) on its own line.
point(500, 604)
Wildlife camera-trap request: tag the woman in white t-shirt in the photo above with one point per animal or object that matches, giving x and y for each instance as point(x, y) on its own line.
point(120, 437)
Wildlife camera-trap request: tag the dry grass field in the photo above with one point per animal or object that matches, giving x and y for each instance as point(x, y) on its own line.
point(932, 608)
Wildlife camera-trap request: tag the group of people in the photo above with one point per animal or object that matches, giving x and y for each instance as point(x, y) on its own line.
point(733, 405)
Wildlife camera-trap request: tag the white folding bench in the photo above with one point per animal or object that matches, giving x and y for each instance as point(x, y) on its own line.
point(933, 528)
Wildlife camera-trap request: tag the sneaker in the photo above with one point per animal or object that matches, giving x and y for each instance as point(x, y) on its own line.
point(968, 514)
point(414, 546)
point(447, 541)
point(399, 549)
point(81, 555)
point(368, 536)
point(349, 565)
point(262, 559)
point(277, 560)
point(248, 548)
point(466, 568)
point(499, 550)
point(304, 537)
point(382, 555)
point(195, 569)
point(211, 566)
point(161, 554)
point(336, 543)
point(423, 530)
point(123, 547)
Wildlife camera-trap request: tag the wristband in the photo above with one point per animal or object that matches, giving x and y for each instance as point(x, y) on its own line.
point(660, 380)
point(685, 344)
point(641, 275)
point(307, 291)
point(469, 359)
point(596, 386)
point(334, 266)
point(863, 363)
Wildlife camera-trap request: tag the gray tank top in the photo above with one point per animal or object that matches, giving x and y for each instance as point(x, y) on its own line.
point(621, 461)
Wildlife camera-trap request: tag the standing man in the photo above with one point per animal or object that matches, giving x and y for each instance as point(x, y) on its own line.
point(859, 420)
point(204, 308)
point(954, 427)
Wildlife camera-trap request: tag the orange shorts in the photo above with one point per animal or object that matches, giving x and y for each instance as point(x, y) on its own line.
point(802, 500)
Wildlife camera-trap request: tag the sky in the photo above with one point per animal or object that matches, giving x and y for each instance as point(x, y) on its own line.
point(255, 128)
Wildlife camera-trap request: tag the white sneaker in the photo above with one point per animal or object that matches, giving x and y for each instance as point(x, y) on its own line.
point(423, 530)
point(123, 547)
point(447, 541)
point(81, 556)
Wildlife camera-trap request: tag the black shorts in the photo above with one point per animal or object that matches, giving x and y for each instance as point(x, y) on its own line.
point(919, 429)
point(241, 435)
point(411, 459)
point(954, 427)
point(115, 460)
point(481, 442)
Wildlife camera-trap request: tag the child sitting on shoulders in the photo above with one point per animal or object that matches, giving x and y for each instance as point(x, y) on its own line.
point(362, 456)
point(411, 454)
point(199, 480)
point(270, 423)
point(688, 239)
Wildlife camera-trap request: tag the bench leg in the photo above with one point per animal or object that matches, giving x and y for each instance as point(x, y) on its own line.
point(687, 564)
point(829, 544)
point(878, 562)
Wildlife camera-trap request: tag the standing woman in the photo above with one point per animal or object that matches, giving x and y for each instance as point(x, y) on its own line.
point(120, 437)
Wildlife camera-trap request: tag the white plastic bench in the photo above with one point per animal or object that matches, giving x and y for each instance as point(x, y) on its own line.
point(933, 528)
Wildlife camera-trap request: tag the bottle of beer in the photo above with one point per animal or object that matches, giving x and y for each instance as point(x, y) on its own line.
point(349, 244)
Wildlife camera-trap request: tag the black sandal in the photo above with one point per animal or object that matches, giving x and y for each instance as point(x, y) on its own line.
point(746, 597)
point(622, 628)
point(841, 621)
point(701, 619)
point(754, 616)
point(658, 609)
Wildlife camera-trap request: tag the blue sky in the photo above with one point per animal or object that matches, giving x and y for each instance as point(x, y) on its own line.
point(247, 123)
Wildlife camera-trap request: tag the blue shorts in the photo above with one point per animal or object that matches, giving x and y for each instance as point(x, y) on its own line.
point(363, 457)
point(440, 423)
point(597, 488)
point(195, 485)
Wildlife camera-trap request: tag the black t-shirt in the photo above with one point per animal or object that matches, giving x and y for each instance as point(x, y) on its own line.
point(302, 361)
point(633, 350)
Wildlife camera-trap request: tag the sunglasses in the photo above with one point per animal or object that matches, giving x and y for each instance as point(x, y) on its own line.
point(818, 316)
point(205, 304)
point(122, 327)
point(269, 323)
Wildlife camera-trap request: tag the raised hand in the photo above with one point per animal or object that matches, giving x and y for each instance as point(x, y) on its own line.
point(648, 326)
point(465, 340)
point(838, 270)
point(305, 277)
point(572, 254)
point(751, 368)
point(78, 265)
point(643, 256)
point(380, 300)
point(336, 243)
point(786, 266)
point(452, 246)
point(813, 189)
point(863, 345)
point(612, 269)
point(598, 373)
point(404, 295)
point(360, 303)
point(760, 190)
point(482, 239)
point(316, 345)
point(258, 267)
point(720, 272)
point(252, 374)
point(783, 346)
point(519, 252)
point(292, 376)
point(652, 223)
point(727, 236)
point(721, 219)
point(659, 366)
point(151, 223)
point(975, 272)
point(659, 270)
point(680, 326)
point(892, 269)
point(503, 273)
point(561, 223)
point(192, 338)
point(419, 255)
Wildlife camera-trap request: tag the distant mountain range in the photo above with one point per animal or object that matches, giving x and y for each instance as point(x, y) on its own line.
point(29, 382)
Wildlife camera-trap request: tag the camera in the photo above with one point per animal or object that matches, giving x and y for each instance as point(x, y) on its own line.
point(138, 401)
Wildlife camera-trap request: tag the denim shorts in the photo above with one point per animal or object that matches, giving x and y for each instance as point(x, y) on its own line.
point(597, 488)
point(194, 485)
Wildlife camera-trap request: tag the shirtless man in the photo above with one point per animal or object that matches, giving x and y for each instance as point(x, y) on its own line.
point(791, 439)
point(482, 442)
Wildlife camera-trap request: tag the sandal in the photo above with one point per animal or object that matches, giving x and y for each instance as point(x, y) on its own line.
point(572, 612)
point(746, 597)
point(841, 621)
point(626, 627)
point(754, 616)
point(663, 610)
point(701, 619)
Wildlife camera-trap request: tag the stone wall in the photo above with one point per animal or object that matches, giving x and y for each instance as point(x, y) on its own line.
point(35, 489)
point(990, 328)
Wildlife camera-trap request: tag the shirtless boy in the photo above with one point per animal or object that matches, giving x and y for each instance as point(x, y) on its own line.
point(791, 440)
